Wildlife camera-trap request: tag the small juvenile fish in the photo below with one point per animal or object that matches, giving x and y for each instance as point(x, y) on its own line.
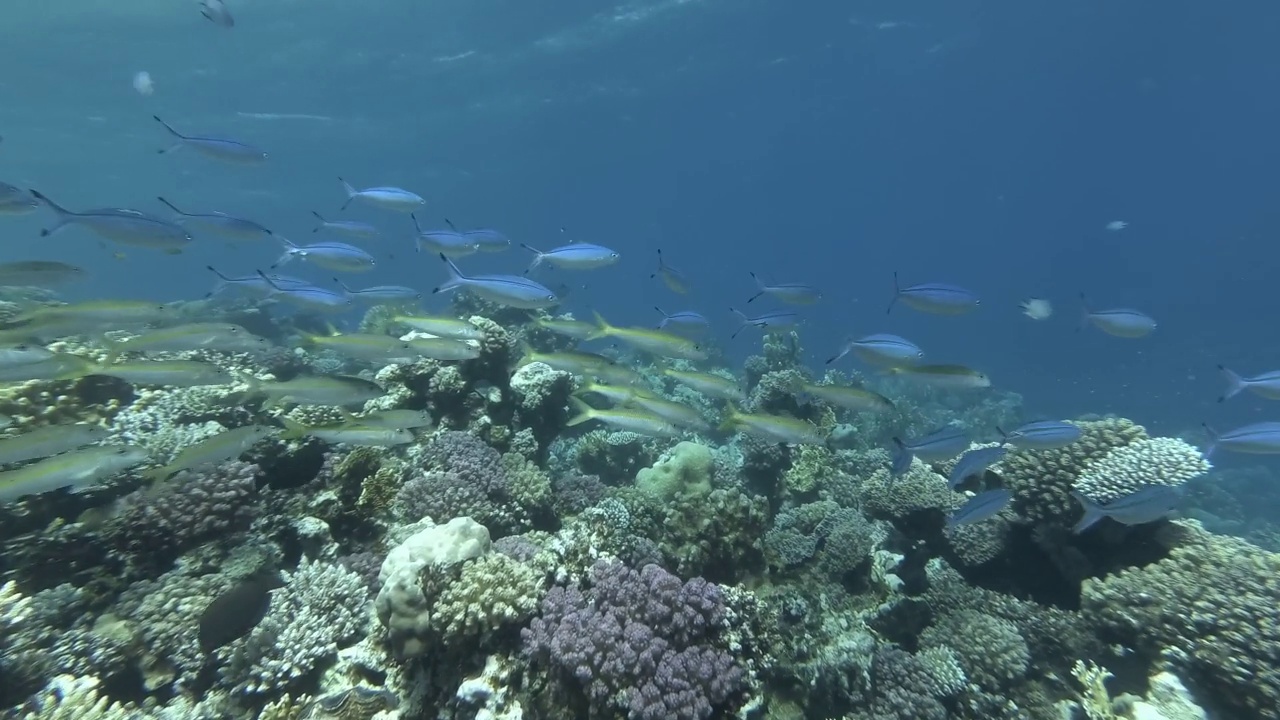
point(672, 278)
point(769, 322)
point(306, 296)
point(449, 243)
point(220, 223)
point(974, 462)
point(936, 298)
point(381, 293)
point(120, 225)
point(881, 349)
point(1036, 308)
point(353, 434)
point(328, 255)
point(232, 151)
point(849, 398)
point(941, 444)
point(78, 471)
point(212, 451)
point(1043, 435)
point(216, 12)
point(710, 385)
point(1120, 322)
point(789, 293)
point(1146, 504)
point(686, 320)
point(642, 423)
point(956, 377)
point(1266, 385)
point(574, 256)
point(980, 507)
point(1261, 438)
point(657, 342)
point(350, 228)
point(442, 326)
point(391, 198)
point(576, 329)
point(49, 440)
point(774, 428)
point(511, 290)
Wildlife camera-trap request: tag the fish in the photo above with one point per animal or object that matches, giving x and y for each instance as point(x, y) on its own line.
point(955, 377)
point(980, 507)
point(773, 428)
point(881, 349)
point(789, 293)
point(399, 419)
point(1148, 503)
point(575, 363)
point(349, 434)
point(1036, 308)
point(675, 413)
point(672, 278)
point(220, 223)
point(686, 320)
point(1120, 322)
point(308, 297)
point(23, 354)
point(936, 298)
point(576, 329)
point(443, 348)
point(939, 445)
point(78, 470)
point(59, 367)
point(40, 273)
point(974, 462)
point(328, 255)
point(16, 201)
point(335, 390)
point(350, 228)
point(1262, 438)
point(232, 151)
point(49, 440)
point(442, 326)
point(655, 342)
point(769, 322)
point(510, 290)
point(450, 243)
point(710, 385)
point(371, 347)
point(574, 256)
point(616, 394)
point(237, 611)
point(381, 293)
point(641, 423)
point(192, 336)
point(1043, 435)
point(488, 240)
point(120, 225)
point(849, 398)
point(1265, 385)
point(216, 12)
point(391, 198)
point(168, 373)
point(99, 313)
point(212, 451)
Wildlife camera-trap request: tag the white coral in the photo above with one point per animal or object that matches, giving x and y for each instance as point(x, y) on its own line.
point(1153, 461)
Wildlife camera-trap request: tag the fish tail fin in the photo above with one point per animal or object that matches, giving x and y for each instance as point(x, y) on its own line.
point(1092, 513)
point(292, 429)
point(320, 218)
point(168, 127)
point(63, 214)
point(584, 412)
point(603, 328)
point(157, 474)
point(1235, 384)
point(270, 282)
point(170, 205)
point(897, 291)
point(1085, 312)
point(350, 191)
point(760, 288)
point(537, 257)
point(1213, 440)
point(731, 421)
point(746, 322)
point(901, 458)
point(456, 278)
point(345, 288)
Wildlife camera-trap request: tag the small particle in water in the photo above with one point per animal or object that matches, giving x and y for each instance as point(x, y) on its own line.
point(1117, 225)
point(143, 84)
point(1037, 308)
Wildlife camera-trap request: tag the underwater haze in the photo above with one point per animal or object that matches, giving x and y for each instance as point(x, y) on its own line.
point(921, 169)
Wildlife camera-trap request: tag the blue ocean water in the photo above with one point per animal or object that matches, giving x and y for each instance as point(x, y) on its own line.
point(982, 144)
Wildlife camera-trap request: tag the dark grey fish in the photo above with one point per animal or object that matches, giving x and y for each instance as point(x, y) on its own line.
point(237, 611)
point(1146, 504)
point(974, 462)
point(40, 273)
point(980, 507)
point(216, 148)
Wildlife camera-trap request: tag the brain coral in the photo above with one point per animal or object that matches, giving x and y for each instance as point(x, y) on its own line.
point(1212, 606)
point(1041, 480)
point(1153, 461)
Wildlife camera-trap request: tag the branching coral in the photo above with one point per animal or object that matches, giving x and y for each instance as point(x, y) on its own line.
point(1149, 461)
point(991, 650)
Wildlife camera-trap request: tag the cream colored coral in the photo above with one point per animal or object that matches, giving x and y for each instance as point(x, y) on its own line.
point(1153, 461)
point(75, 698)
point(492, 591)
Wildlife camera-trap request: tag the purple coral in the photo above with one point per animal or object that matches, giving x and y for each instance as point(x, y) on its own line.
point(441, 496)
point(573, 493)
point(642, 639)
point(468, 456)
point(194, 506)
